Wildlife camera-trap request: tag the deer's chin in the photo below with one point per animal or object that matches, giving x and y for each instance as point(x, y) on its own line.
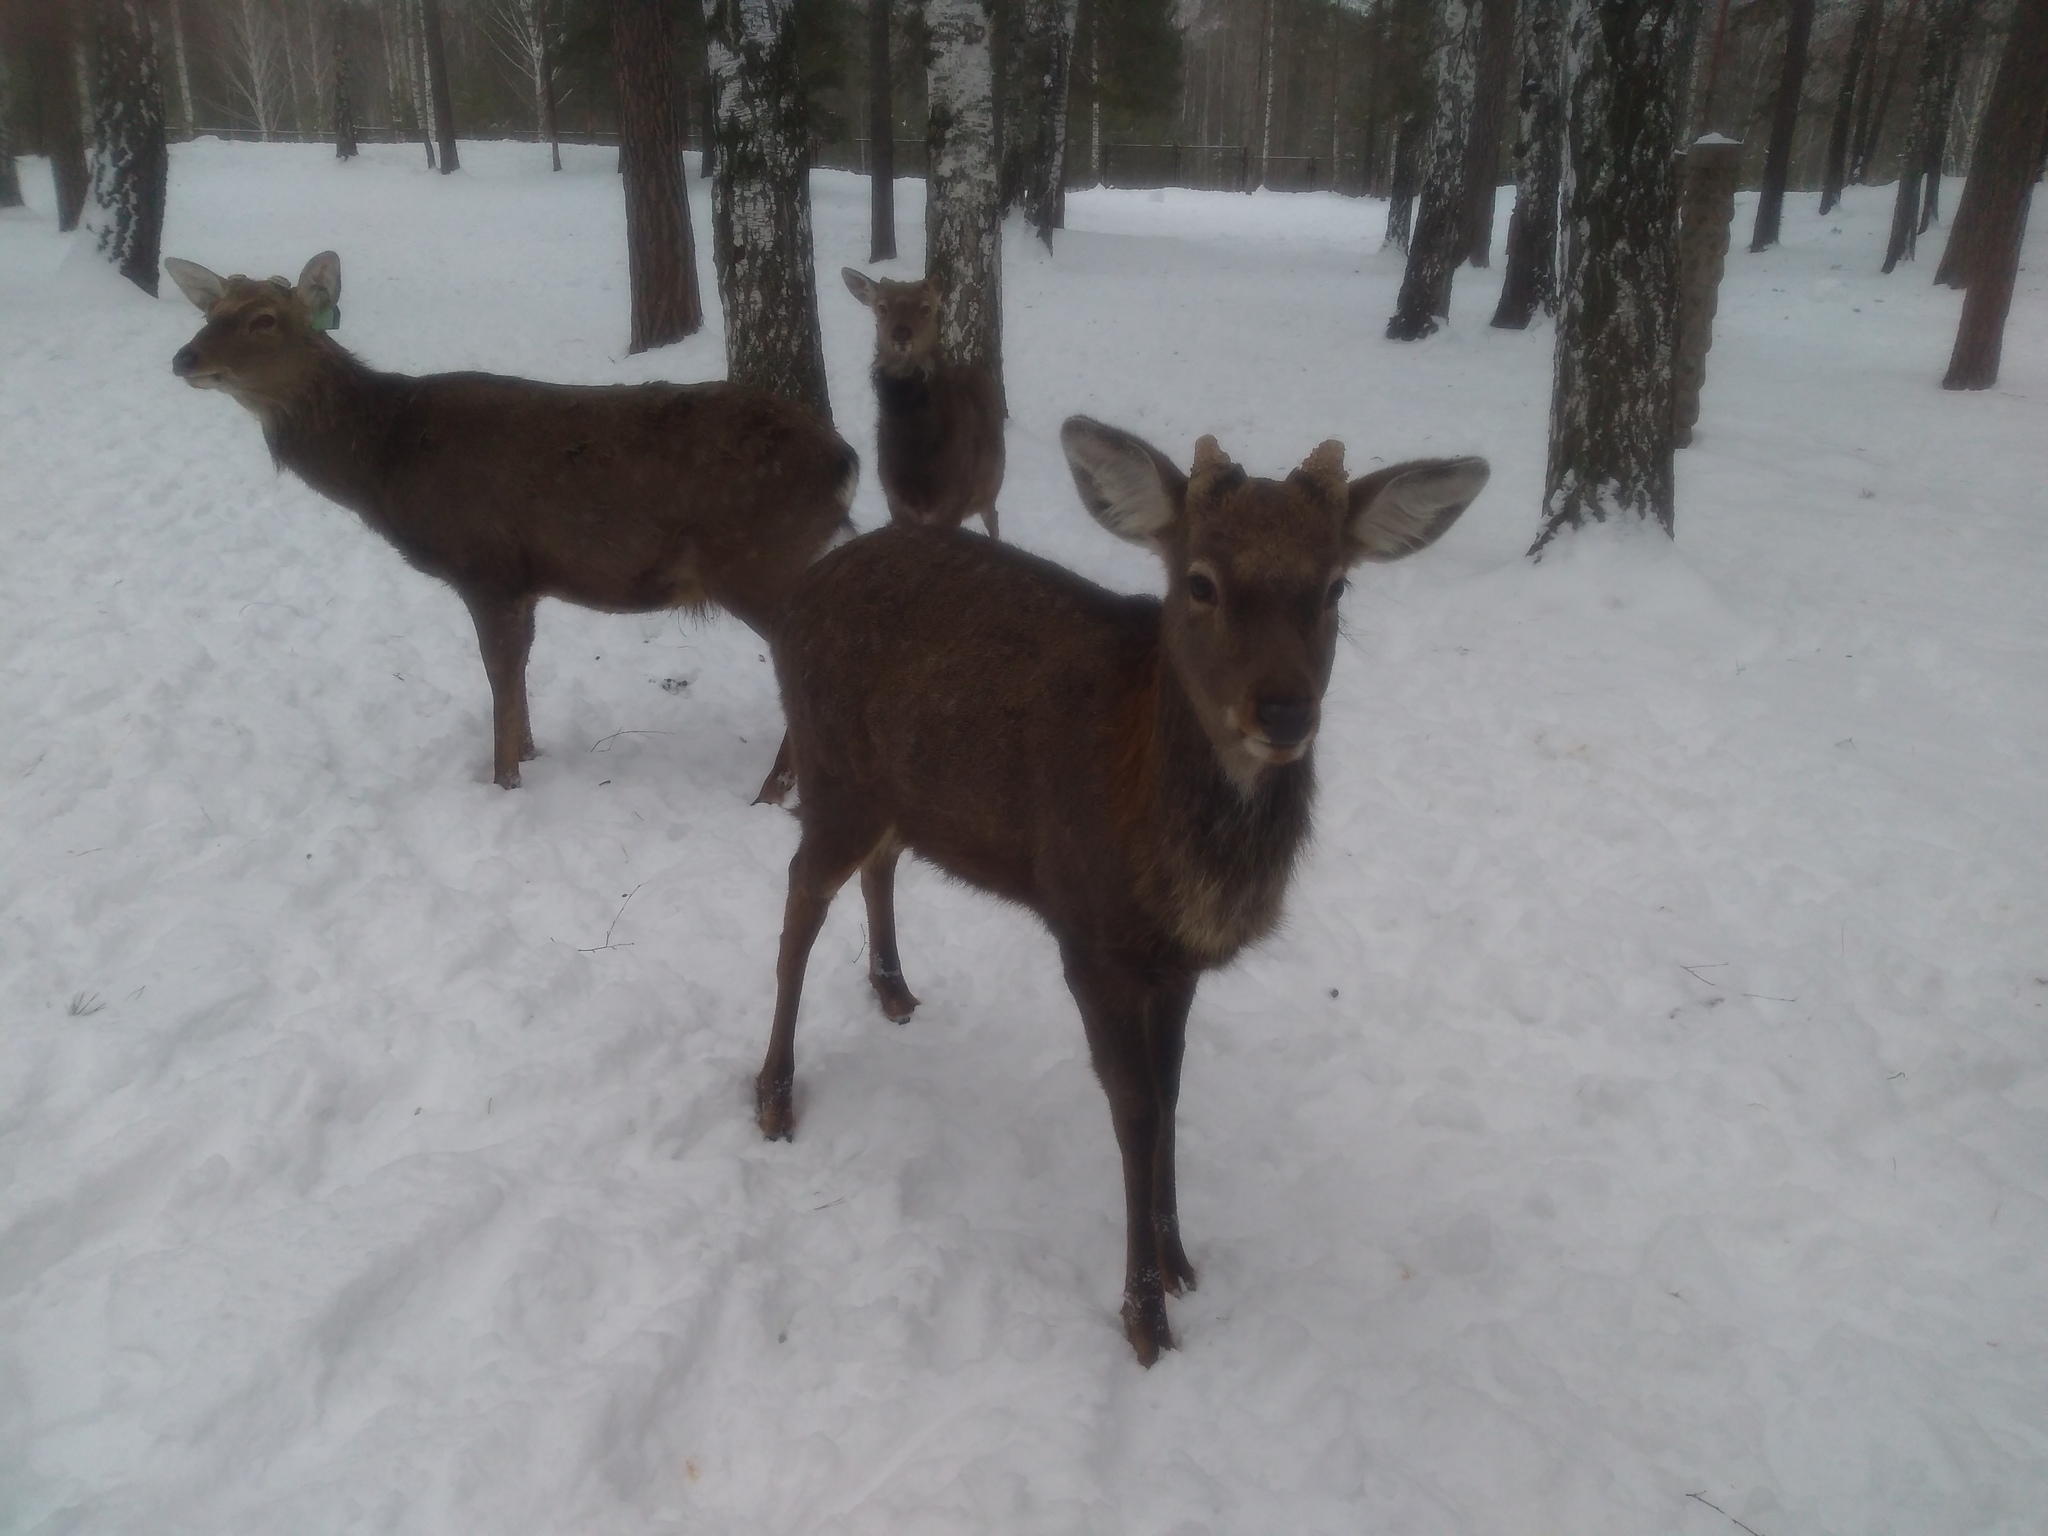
point(205, 381)
point(1274, 756)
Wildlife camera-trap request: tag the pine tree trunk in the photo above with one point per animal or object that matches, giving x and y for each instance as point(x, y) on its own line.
point(49, 56)
point(1837, 168)
point(1867, 141)
point(963, 219)
point(1770, 202)
point(10, 177)
point(1531, 281)
point(1494, 77)
point(131, 161)
point(1050, 41)
point(1984, 241)
point(761, 202)
point(1931, 100)
point(344, 102)
point(438, 85)
point(1407, 175)
point(1611, 425)
point(1438, 243)
point(661, 255)
point(881, 137)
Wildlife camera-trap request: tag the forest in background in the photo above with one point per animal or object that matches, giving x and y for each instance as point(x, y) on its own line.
point(1204, 92)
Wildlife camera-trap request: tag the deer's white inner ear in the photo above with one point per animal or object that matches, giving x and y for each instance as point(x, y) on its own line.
point(320, 282)
point(202, 287)
point(1409, 507)
point(858, 284)
point(1126, 485)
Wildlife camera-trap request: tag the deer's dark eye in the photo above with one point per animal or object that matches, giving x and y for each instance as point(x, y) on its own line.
point(1201, 589)
point(263, 322)
point(1337, 589)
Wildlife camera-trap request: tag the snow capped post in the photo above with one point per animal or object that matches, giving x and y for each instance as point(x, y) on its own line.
point(1611, 424)
point(1712, 166)
point(761, 202)
point(130, 160)
point(963, 210)
point(1438, 243)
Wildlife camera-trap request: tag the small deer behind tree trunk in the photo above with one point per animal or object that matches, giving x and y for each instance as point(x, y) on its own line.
point(1137, 773)
point(940, 433)
point(624, 498)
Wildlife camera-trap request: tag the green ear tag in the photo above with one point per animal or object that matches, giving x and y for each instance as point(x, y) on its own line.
point(327, 319)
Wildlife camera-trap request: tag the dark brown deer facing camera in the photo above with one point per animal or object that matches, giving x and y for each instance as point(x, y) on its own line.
point(1136, 772)
point(939, 436)
point(625, 498)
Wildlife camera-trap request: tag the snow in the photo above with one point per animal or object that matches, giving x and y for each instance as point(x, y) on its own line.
point(1638, 1126)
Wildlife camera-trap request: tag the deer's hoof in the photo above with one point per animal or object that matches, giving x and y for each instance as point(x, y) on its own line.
point(528, 753)
point(774, 1112)
point(775, 789)
point(894, 996)
point(1145, 1326)
point(1179, 1276)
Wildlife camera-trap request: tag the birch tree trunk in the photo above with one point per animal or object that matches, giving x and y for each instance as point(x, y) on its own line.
point(1401, 187)
point(963, 214)
point(344, 100)
point(761, 202)
point(1266, 95)
point(1770, 202)
point(131, 162)
point(1932, 97)
point(881, 137)
point(1042, 131)
point(1611, 426)
point(661, 256)
point(1531, 281)
point(416, 74)
point(1837, 167)
point(437, 85)
point(1438, 243)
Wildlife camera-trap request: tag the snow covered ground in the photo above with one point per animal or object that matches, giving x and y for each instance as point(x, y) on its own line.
point(1640, 1126)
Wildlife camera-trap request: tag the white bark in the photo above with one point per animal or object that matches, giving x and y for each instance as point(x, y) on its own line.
point(963, 209)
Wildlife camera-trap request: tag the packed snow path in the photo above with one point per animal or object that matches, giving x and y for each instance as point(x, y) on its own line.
point(1640, 1126)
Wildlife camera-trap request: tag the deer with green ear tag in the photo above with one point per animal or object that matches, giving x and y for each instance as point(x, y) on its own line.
point(624, 498)
point(1137, 772)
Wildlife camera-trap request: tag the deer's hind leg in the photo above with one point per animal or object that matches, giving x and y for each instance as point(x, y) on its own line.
point(885, 969)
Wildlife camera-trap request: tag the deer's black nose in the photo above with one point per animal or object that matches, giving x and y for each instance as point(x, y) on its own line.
point(184, 362)
point(1285, 722)
point(901, 335)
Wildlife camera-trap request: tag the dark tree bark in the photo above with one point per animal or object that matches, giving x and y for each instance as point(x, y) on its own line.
point(707, 162)
point(1041, 131)
point(438, 86)
point(1493, 77)
point(2010, 172)
point(544, 68)
point(131, 161)
point(1407, 175)
point(2009, 145)
point(344, 102)
point(1873, 130)
point(1611, 424)
point(661, 255)
point(1531, 281)
point(1714, 55)
point(10, 178)
point(1932, 99)
point(761, 203)
point(1937, 141)
point(48, 43)
point(963, 212)
point(1770, 202)
point(881, 137)
point(1837, 167)
point(1438, 244)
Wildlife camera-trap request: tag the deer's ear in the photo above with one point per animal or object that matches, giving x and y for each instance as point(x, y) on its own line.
point(859, 285)
point(1405, 507)
point(202, 287)
point(319, 286)
point(1130, 487)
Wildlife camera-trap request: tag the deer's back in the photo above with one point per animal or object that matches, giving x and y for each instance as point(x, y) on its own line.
point(969, 696)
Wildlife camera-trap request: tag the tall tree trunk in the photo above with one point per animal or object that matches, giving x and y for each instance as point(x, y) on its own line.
point(438, 85)
point(1438, 244)
point(881, 137)
point(1714, 55)
point(179, 61)
point(1531, 281)
point(416, 74)
point(1094, 175)
point(1931, 100)
point(761, 202)
point(1770, 202)
point(544, 82)
point(344, 101)
point(1493, 78)
point(661, 256)
point(1873, 132)
point(1050, 41)
point(1937, 140)
point(963, 217)
point(49, 54)
point(10, 177)
point(2009, 146)
point(1611, 426)
point(1407, 175)
point(131, 161)
point(1266, 95)
point(1837, 169)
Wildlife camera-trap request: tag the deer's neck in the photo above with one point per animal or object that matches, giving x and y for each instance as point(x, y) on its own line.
point(1222, 850)
point(331, 428)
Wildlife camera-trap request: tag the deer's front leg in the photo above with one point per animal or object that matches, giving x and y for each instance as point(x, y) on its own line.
point(1166, 1030)
point(504, 634)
